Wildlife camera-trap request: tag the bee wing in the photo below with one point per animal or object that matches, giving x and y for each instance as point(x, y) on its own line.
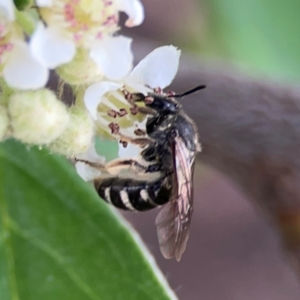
point(173, 221)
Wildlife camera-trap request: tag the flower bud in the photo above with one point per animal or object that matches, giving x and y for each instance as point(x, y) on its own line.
point(78, 136)
point(37, 117)
point(4, 122)
point(81, 70)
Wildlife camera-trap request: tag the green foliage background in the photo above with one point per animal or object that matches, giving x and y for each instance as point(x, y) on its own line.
point(58, 240)
point(263, 36)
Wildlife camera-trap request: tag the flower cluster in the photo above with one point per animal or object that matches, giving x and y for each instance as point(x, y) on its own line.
point(78, 40)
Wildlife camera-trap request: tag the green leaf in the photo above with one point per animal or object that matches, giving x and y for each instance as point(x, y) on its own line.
point(260, 34)
point(58, 240)
point(22, 4)
point(26, 21)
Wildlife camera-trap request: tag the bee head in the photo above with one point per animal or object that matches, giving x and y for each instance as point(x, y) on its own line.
point(163, 105)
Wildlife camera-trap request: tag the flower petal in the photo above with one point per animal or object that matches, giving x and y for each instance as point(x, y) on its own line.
point(138, 87)
point(134, 9)
point(44, 3)
point(94, 93)
point(51, 47)
point(158, 68)
point(22, 71)
point(113, 56)
point(7, 10)
point(129, 152)
point(85, 171)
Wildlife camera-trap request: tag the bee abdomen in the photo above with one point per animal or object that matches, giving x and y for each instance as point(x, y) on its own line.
point(135, 195)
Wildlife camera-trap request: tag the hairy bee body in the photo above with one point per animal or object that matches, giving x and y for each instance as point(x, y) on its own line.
point(178, 144)
point(170, 154)
point(141, 195)
point(134, 195)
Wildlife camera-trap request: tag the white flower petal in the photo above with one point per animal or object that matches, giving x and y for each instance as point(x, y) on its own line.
point(51, 47)
point(94, 93)
point(138, 87)
point(129, 152)
point(22, 71)
point(134, 9)
point(158, 68)
point(44, 3)
point(113, 56)
point(85, 171)
point(7, 10)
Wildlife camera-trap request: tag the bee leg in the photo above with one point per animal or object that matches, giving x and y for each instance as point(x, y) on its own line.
point(154, 168)
point(141, 109)
point(141, 142)
point(97, 166)
point(135, 166)
point(115, 166)
point(146, 110)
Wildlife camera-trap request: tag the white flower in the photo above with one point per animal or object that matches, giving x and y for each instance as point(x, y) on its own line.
point(95, 92)
point(156, 70)
point(129, 152)
point(51, 46)
point(113, 56)
point(18, 66)
point(134, 9)
point(89, 24)
point(7, 10)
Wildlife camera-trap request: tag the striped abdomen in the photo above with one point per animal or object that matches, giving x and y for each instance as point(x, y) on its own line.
point(131, 194)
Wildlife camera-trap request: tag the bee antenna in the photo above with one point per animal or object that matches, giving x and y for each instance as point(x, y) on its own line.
point(195, 89)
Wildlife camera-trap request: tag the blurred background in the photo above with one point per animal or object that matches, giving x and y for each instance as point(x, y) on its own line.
point(233, 253)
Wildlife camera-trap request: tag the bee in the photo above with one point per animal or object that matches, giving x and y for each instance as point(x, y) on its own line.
point(165, 168)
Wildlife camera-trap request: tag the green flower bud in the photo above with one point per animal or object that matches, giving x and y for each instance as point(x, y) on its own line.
point(78, 136)
point(37, 117)
point(81, 70)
